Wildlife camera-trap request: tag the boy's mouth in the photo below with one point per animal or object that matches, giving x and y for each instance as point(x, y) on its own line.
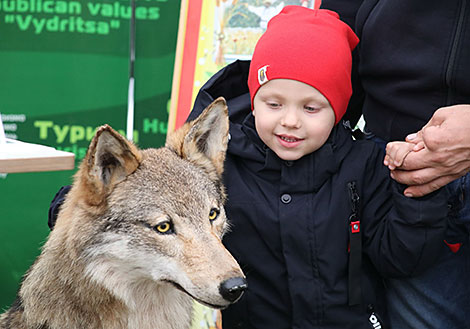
point(288, 139)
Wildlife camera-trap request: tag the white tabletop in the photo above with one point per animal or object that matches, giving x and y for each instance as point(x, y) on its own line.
point(17, 156)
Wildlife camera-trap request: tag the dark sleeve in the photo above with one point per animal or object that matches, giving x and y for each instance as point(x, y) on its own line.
point(347, 10)
point(402, 236)
point(55, 205)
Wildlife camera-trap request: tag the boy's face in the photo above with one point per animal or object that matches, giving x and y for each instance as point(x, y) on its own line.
point(292, 118)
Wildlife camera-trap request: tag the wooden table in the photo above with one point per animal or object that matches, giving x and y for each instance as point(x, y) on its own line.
point(16, 157)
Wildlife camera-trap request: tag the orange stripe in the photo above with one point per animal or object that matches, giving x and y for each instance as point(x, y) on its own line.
point(188, 67)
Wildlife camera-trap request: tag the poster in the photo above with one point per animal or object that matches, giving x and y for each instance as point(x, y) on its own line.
point(214, 33)
point(65, 71)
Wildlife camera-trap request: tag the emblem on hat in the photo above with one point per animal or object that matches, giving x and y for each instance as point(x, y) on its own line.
point(262, 75)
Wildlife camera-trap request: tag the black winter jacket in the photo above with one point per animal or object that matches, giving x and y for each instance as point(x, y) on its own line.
point(413, 58)
point(290, 223)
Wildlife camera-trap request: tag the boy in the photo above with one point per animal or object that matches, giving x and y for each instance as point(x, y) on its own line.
point(316, 220)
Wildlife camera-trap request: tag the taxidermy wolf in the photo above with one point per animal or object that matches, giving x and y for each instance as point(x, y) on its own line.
point(138, 237)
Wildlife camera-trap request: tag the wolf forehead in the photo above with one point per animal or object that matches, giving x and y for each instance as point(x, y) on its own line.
point(165, 177)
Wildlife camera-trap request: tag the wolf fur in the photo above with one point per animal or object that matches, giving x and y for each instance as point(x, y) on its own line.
point(138, 236)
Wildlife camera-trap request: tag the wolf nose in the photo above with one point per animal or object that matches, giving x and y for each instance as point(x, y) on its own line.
point(233, 288)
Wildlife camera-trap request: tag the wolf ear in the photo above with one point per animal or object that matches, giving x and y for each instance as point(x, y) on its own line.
point(203, 141)
point(109, 160)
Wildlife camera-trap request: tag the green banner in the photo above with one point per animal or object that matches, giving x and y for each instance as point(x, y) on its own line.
point(65, 71)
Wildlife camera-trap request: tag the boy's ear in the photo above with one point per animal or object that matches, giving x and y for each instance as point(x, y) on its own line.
point(109, 160)
point(203, 141)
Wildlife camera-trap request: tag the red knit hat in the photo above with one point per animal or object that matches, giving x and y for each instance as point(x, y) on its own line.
point(310, 46)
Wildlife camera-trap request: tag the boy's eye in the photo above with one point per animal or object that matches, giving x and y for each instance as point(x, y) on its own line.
point(310, 108)
point(273, 105)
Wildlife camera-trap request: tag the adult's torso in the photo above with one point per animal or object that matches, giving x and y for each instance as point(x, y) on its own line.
point(413, 59)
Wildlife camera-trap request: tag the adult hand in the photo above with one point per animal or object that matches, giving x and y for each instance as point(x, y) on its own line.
point(445, 157)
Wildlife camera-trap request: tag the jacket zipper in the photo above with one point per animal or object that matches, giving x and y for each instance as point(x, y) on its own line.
point(453, 51)
point(355, 249)
point(354, 200)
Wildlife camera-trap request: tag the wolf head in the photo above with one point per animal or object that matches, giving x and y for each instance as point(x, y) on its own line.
point(141, 219)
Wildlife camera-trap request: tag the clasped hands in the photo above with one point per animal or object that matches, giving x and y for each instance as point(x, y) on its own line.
point(434, 156)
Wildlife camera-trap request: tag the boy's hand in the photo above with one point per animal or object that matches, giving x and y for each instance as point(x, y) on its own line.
point(396, 153)
point(446, 155)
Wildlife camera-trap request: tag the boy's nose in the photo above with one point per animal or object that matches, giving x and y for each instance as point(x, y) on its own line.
point(290, 118)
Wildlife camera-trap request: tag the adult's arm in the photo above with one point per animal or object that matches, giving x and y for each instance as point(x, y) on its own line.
point(446, 155)
point(347, 9)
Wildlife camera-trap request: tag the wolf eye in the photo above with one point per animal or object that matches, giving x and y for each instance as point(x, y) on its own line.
point(164, 228)
point(213, 214)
